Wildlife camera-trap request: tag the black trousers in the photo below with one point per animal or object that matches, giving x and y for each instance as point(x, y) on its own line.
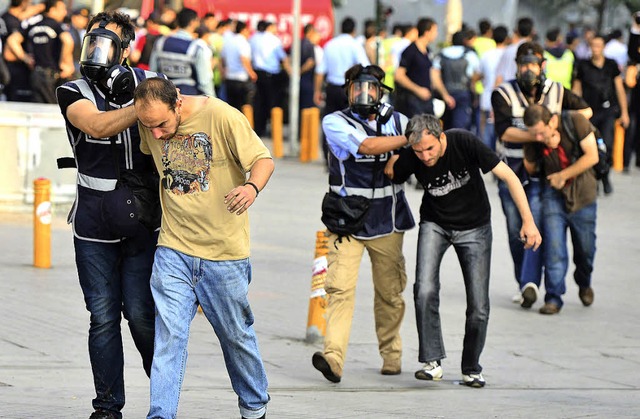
point(44, 82)
point(240, 93)
point(269, 91)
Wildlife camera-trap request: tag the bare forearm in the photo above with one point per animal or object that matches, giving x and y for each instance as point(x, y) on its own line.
point(261, 172)
point(105, 124)
point(516, 135)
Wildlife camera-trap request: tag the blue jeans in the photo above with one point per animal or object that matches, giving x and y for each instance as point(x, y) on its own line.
point(489, 134)
point(582, 226)
point(179, 283)
point(115, 282)
point(461, 115)
point(527, 264)
point(473, 248)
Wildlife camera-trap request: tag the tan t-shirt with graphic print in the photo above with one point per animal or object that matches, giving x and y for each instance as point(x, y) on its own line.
point(209, 156)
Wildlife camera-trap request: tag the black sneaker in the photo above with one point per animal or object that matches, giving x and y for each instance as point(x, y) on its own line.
point(321, 363)
point(529, 295)
point(473, 380)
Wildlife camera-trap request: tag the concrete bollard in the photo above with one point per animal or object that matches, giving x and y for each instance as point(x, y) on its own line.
point(314, 133)
point(42, 223)
point(618, 147)
point(276, 131)
point(304, 135)
point(247, 110)
point(316, 322)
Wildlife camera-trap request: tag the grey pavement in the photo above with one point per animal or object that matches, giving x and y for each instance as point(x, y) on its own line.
point(584, 362)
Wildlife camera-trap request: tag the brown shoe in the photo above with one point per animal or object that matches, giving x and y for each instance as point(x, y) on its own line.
point(550, 308)
point(391, 367)
point(323, 364)
point(586, 296)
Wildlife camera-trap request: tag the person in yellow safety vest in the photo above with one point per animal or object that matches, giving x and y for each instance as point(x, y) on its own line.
point(387, 63)
point(559, 59)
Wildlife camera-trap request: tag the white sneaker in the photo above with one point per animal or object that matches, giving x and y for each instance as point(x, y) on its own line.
point(430, 371)
point(473, 380)
point(529, 295)
point(517, 299)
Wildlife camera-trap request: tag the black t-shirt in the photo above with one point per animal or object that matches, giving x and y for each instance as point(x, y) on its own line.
point(455, 196)
point(43, 35)
point(10, 25)
point(417, 65)
point(307, 51)
point(597, 83)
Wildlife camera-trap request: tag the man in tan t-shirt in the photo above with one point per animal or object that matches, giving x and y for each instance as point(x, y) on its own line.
point(203, 150)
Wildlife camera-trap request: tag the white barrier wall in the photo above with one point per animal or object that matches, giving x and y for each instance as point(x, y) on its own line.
point(32, 137)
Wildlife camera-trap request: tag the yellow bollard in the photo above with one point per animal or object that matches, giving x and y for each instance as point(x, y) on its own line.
point(314, 133)
point(276, 131)
point(247, 110)
point(618, 147)
point(304, 136)
point(316, 322)
point(42, 223)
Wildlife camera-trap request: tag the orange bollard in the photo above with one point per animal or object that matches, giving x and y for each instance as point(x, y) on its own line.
point(304, 136)
point(316, 322)
point(247, 110)
point(276, 131)
point(314, 133)
point(618, 147)
point(42, 223)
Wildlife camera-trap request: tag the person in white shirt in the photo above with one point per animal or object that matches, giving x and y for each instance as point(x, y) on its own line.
point(239, 74)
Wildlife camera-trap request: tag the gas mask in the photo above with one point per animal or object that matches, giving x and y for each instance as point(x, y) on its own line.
point(100, 60)
point(528, 79)
point(364, 94)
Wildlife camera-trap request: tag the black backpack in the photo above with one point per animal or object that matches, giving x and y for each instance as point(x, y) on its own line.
point(454, 73)
point(601, 168)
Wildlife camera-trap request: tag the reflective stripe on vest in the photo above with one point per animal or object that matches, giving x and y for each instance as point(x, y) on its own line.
point(176, 61)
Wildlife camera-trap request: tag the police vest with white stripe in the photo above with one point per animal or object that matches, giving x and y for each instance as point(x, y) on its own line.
point(389, 211)
point(94, 160)
point(177, 60)
point(551, 97)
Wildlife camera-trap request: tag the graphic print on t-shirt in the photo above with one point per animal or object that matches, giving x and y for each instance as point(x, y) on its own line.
point(442, 185)
point(186, 161)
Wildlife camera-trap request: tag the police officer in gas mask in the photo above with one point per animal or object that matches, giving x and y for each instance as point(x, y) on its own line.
point(361, 139)
point(509, 101)
point(113, 269)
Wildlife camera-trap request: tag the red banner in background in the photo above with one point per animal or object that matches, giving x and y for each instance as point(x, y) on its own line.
point(317, 12)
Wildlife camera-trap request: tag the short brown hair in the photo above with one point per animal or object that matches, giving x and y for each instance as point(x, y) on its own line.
point(156, 88)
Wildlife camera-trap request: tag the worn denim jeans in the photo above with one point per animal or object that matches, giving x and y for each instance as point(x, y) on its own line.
point(115, 282)
point(179, 283)
point(473, 248)
point(582, 227)
point(527, 263)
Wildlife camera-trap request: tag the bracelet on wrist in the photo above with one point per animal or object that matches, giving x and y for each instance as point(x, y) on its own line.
point(254, 187)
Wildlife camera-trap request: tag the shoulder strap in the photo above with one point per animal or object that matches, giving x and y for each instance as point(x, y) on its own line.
point(570, 130)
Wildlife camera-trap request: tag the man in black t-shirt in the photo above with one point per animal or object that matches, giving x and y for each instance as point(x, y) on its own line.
point(413, 80)
point(599, 81)
point(51, 48)
point(19, 87)
point(455, 211)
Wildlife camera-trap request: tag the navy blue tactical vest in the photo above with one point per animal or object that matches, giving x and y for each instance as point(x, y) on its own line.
point(176, 59)
point(389, 210)
point(94, 160)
